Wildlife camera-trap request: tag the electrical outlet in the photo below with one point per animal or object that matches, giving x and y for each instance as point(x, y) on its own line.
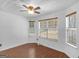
point(37, 39)
point(0, 45)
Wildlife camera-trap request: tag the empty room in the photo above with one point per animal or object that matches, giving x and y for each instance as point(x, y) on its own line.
point(39, 29)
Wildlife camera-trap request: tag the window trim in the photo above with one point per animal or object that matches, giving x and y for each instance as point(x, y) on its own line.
point(71, 14)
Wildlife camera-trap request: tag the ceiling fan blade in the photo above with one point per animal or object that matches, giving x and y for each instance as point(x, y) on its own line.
point(37, 8)
point(37, 12)
point(24, 6)
point(23, 10)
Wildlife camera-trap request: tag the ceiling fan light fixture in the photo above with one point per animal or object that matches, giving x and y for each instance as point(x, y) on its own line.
point(30, 11)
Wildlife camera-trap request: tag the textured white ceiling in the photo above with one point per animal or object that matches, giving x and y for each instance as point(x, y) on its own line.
point(47, 6)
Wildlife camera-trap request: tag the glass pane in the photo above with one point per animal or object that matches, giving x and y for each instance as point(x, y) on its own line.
point(52, 23)
point(72, 21)
point(43, 29)
point(52, 29)
point(31, 26)
point(52, 34)
point(67, 22)
point(43, 34)
point(71, 37)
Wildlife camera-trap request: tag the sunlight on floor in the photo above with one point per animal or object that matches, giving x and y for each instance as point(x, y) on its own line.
point(31, 52)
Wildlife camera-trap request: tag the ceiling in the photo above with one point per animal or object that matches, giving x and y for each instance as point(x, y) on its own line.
point(47, 6)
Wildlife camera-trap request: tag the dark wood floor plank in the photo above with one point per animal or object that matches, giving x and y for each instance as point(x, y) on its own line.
point(32, 50)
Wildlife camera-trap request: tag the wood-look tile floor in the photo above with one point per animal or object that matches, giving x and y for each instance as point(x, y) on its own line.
point(32, 50)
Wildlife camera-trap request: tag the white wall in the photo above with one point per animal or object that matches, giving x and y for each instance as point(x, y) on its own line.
point(13, 30)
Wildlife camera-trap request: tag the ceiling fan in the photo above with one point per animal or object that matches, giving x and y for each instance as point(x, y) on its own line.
point(31, 9)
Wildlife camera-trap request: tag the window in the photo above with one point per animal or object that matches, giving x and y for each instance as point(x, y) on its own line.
point(43, 28)
point(71, 29)
point(53, 28)
point(49, 28)
point(31, 26)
